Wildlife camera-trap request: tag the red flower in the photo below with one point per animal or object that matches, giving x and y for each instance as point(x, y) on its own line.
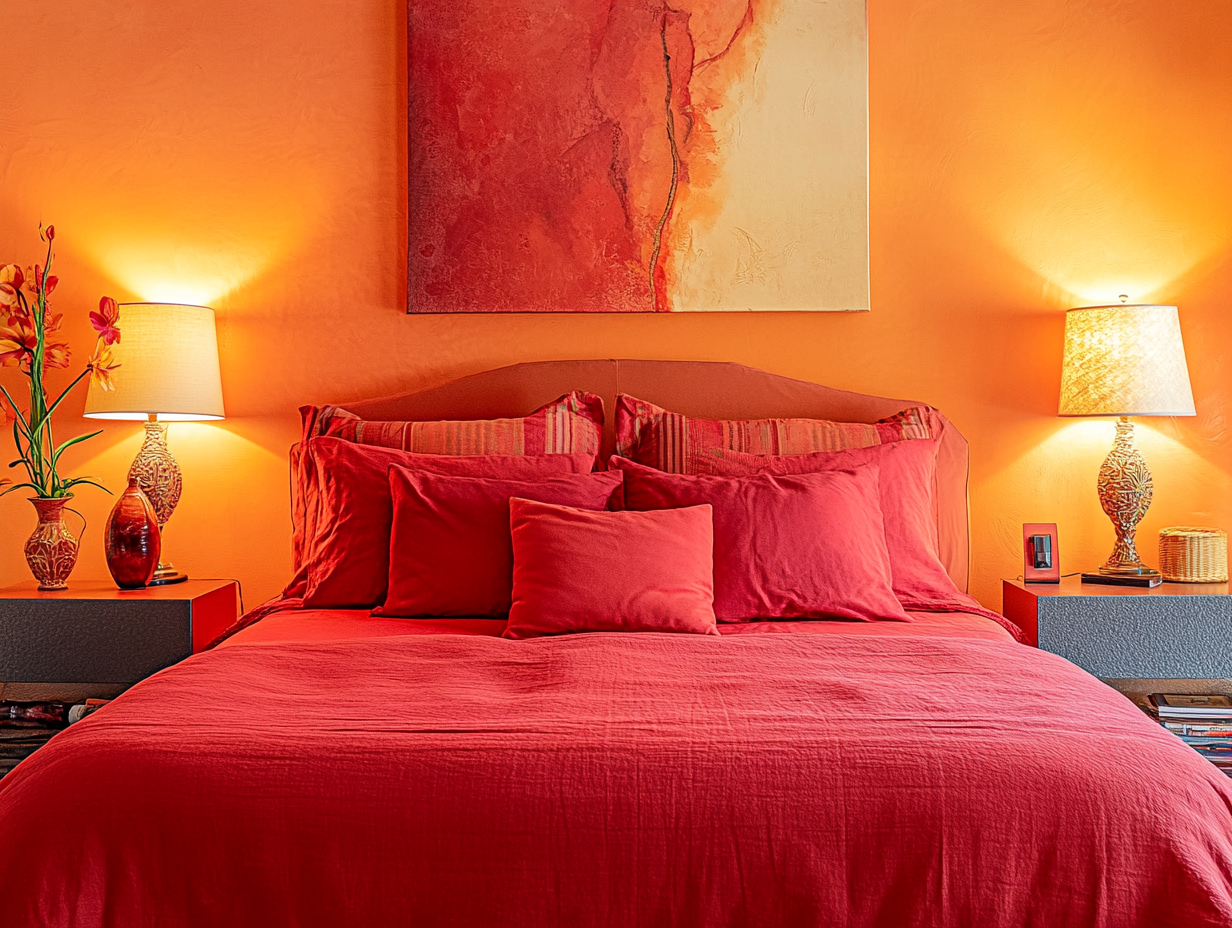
point(106, 321)
point(11, 280)
point(18, 341)
point(39, 278)
point(56, 353)
point(47, 234)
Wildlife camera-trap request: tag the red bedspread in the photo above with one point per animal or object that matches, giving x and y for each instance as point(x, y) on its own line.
point(618, 780)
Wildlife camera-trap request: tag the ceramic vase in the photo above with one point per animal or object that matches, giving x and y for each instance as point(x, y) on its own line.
point(132, 539)
point(51, 551)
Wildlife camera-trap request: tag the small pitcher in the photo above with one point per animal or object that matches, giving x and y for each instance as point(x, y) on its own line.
point(51, 551)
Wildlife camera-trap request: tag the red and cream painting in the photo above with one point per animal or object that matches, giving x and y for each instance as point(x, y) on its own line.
point(635, 156)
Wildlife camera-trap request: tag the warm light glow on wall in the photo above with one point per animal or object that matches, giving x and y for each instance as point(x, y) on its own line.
point(1104, 241)
point(168, 272)
point(1081, 186)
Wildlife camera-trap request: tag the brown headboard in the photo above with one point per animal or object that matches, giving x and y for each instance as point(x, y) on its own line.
point(711, 389)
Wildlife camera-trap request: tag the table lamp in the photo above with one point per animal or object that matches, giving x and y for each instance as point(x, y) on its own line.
point(169, 358)
point(1124, 360)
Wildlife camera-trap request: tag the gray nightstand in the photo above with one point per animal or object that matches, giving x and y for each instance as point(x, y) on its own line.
point(93, 639)
point(1174, 631)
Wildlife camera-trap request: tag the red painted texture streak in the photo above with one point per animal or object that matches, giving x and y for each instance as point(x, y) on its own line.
point(547, 149)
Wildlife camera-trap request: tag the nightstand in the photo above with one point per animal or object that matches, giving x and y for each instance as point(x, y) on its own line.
point(1174, 631)
point(93, 633)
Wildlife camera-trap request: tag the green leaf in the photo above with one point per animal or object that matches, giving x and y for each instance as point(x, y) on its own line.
point(25, 426)
point(23, 459)
point(18, 486)
point(55, 455)
point(86, 480)
point(60, 398)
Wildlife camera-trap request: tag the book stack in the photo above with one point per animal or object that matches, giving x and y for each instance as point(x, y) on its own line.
point(1204, 722)
point(27, 726)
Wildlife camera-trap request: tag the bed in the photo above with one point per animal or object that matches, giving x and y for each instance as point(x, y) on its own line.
point(328, 767)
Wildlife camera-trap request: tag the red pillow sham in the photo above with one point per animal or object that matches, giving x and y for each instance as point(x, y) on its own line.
point(570, 424)
point(806, 546)
point(908, 508)
point(450, 552)
point(347, 511)
point(671, 442)
point(578, 571)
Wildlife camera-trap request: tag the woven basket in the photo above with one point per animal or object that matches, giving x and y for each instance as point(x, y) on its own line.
point(1193, 555)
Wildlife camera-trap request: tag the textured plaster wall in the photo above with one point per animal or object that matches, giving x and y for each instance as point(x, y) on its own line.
point(1025, 157)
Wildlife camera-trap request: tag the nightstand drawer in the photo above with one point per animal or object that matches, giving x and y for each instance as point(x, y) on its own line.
point(94, 633)
point(1175, 630)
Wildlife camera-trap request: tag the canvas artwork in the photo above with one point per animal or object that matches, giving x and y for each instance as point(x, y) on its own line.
point(630, 156)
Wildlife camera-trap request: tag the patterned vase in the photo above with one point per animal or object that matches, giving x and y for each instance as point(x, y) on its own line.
point(51, 551)
point(132, 539)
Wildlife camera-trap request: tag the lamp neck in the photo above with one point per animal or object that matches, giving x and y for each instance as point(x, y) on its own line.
point(155, 434)
point(1124, 435)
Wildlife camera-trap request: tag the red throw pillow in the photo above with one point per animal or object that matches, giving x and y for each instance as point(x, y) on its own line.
point(580, 571)
point(571, 424)
point(908, 507)
point(347, 511)
point(450, 551)
point(807, 546)
point(649, 434)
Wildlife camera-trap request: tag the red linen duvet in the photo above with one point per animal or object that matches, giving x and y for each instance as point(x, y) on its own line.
point(618, 780)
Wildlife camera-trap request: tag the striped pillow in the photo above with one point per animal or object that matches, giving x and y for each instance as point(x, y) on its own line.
point(571, 424)
point(677, 444)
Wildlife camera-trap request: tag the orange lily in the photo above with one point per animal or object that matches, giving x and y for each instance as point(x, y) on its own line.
point(101, 365)
point(10, 283)
point(17, 343)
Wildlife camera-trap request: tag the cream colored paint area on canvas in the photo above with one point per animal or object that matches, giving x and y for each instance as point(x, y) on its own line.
point(778, 220)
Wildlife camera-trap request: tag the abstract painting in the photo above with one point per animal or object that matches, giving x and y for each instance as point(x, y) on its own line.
point(636, 156)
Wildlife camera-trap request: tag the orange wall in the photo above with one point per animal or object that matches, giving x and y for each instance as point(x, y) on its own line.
point(1026, 156)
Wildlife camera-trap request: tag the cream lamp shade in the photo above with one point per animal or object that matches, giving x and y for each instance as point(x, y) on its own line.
point(168, 357)
point(1124, 360)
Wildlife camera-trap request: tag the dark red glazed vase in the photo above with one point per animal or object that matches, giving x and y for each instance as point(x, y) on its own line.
point(132, 539)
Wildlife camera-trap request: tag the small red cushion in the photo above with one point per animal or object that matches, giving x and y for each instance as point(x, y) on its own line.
point(807, 546)
point(347, 511)
point(578, 571)
point(908, 507)
point(450, 551)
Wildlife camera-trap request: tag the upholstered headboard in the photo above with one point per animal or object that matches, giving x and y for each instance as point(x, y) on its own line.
point(710, 389)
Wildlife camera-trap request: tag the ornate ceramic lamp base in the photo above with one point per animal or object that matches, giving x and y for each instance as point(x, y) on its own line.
point(1125, 491)
point(158, 475)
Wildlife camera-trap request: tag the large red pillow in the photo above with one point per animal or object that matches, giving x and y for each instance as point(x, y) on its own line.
point(450, 550)
point(807, 546)
point(577, 571)
point(672, 442)
point(346, 511)
point(908, 507)
point(570, 424)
